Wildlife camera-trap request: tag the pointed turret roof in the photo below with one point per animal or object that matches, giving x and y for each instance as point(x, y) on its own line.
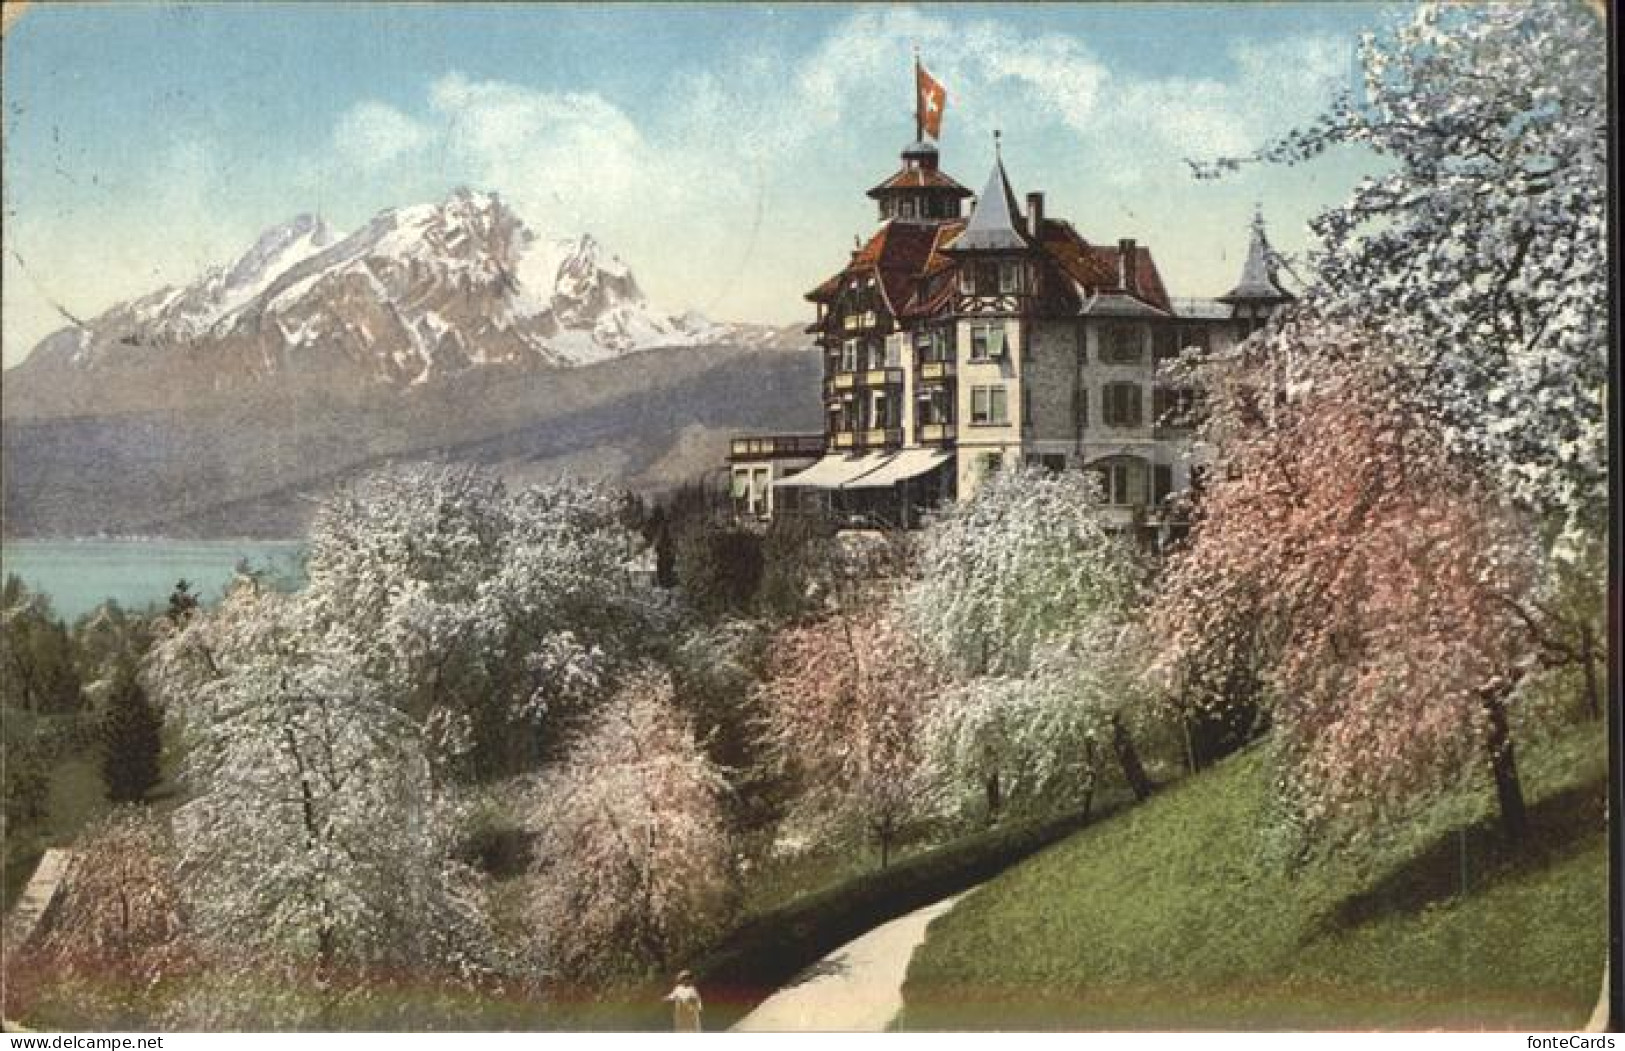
point(995, 223)
point(1258, 281)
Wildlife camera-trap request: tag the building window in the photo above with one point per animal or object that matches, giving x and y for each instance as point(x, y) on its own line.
point(1121, 345)
point(987, 278)
point(1162, 483)
point(988, 406)
point(986, 342)
point(1118, 477)
point(849, 355)
point(1175, 407)
point(908, 208)
point(935, 406)
point(933, 344)
point(1169, 341)
point(1120, 404)
point(846, 415)
point(1009, 278)
point(1122, 481)
point(880, 412)
point(761, 481)
point(1054, 463)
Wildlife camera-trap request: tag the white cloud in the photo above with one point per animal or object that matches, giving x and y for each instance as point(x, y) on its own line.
point(372, 135)
point(573, 149)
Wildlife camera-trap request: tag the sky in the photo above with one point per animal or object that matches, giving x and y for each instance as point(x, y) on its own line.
point(721, 150)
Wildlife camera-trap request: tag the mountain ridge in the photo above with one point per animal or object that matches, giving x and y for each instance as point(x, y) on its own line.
point(447, 331)
point(418, 293)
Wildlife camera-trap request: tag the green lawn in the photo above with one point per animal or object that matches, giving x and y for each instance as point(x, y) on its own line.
point(76, 798)
point(1172, 916)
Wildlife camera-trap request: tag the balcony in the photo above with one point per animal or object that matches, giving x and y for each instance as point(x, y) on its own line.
point(876, 437)
point(843, 381)
point(845, 440)
point(860, 322)
point(775, 446)
point(937, 432)
point(883, 377)
point(937, 370)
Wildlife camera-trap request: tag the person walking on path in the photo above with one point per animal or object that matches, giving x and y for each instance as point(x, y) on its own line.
point(686, 1006)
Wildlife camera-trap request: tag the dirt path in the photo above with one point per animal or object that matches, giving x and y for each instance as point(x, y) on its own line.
point(858, 988)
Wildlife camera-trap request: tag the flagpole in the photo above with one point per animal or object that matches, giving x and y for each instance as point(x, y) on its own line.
point(919, 117)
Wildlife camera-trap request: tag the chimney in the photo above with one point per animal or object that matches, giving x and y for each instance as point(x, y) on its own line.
point(1128, 267)
point(1035, 212)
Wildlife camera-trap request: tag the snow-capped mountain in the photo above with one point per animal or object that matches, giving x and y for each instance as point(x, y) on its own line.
point(419, 293)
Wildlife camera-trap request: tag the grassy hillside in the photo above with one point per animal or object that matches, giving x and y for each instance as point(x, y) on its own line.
point(1174, 916)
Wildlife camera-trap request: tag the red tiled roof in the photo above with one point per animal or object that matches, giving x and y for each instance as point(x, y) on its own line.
point(918, 179)
point(905, 254)
point(897, 252)
point(1096, 267)
point(1150, 281)
point(826, 291)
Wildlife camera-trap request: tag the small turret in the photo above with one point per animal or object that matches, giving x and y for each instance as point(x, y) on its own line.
point(919, 191)
point(1259, 292)
point(995, 224)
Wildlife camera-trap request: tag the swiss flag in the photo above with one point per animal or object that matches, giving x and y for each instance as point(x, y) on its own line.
point(932, 99)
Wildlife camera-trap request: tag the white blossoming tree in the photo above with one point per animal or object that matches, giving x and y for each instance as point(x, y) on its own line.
point(1021, 595)
point(1481, 252)
point(487, 610)
point(314, 845)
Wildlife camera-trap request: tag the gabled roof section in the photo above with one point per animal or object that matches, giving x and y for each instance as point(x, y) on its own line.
point(897, 254)
point(1097, 269)
point(995, 224)
point(1258, 281)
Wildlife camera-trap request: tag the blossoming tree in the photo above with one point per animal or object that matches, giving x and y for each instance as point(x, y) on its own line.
point(634, 860)
point(1016, 593)
point(314, 840)
point(1385, 591)
point(1481, 250)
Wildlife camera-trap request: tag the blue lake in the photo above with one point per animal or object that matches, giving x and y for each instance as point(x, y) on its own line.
point(79, 575)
